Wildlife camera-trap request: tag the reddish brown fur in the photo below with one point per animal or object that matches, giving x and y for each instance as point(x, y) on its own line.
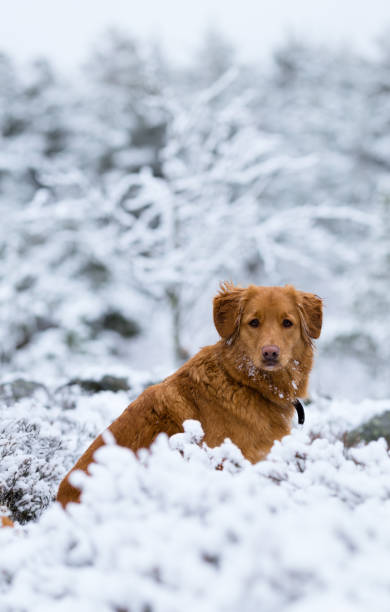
point(226, 386)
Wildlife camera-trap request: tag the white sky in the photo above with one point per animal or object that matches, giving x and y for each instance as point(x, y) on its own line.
point(65, 29)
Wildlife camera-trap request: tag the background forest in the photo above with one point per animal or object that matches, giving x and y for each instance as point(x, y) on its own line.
point(128, 191)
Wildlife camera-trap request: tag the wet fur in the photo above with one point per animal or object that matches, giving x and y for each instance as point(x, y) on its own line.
point(225, 386)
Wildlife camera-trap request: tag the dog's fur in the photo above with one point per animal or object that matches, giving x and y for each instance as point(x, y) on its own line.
point(229, 387)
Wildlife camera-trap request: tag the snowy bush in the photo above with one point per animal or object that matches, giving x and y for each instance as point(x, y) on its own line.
point(169, 531)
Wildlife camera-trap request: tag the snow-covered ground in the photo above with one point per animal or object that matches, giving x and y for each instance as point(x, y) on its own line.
point(305, 530)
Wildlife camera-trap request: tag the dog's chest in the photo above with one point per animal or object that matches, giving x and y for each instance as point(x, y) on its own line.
point(251, 423)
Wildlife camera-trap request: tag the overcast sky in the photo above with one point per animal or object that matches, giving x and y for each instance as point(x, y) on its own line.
point(65, 29)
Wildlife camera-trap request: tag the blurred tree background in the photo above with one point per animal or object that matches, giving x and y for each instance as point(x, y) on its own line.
point(128, 191)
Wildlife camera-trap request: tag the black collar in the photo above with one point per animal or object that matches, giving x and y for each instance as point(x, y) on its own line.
point(300, 411)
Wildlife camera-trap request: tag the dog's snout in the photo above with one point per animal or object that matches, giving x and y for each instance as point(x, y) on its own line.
point(270, 352)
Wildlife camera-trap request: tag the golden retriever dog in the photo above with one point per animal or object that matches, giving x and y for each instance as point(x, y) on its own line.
point(244, 387)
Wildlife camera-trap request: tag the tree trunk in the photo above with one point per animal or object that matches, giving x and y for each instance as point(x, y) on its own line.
point(180, 355)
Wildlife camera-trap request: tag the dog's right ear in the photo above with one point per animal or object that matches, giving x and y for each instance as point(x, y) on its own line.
point(310, 311)
point(228, 306)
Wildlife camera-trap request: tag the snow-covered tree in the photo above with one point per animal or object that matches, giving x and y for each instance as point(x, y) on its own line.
point(137, 185)
point(223, 210)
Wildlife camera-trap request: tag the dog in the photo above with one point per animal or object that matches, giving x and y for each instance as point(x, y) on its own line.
point(243, 387)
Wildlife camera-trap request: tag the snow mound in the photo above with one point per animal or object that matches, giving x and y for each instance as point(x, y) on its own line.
point(304, 530)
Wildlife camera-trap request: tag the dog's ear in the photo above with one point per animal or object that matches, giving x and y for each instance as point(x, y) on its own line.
point(310, 311)
point(228, 306)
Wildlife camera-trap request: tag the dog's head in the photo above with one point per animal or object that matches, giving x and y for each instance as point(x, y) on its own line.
point(272, 325)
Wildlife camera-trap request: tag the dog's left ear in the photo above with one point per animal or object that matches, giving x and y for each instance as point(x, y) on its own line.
point(310, 309)
point(228, 306)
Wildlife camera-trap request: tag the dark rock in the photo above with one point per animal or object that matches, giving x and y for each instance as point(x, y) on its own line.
point(106, 383)
point(13, 391)
point(373, 429)
point(113, 320)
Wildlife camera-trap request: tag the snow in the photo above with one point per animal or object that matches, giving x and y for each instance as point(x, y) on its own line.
point(127, 195)
point(304, 529)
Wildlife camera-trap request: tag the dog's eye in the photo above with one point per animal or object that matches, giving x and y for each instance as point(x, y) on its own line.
point(254, 323)
point(287, 323)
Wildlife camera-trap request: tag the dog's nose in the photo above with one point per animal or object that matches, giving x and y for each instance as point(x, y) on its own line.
point(271, 352)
